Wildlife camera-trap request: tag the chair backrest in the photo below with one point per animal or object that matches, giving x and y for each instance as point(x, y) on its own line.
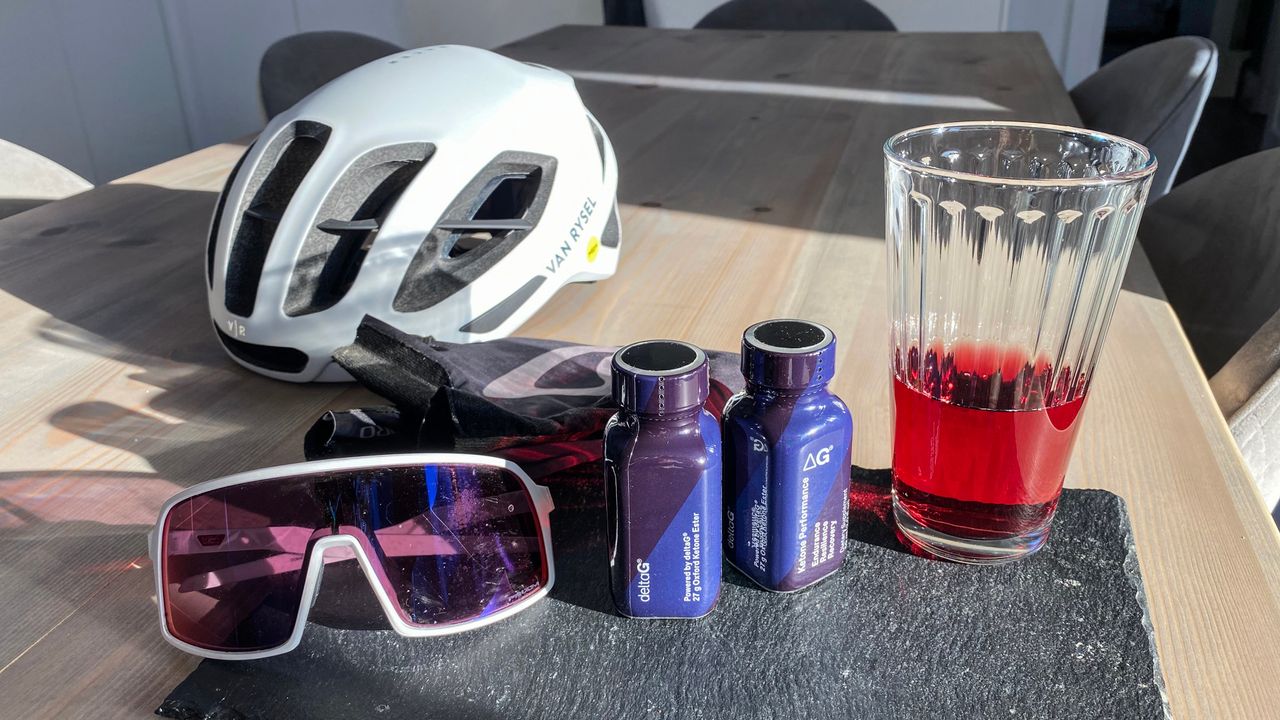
point(1214, 243)
point(796, 15)
point(1152, 95)
point(293, 67)
point(1247, 389)
point(31, 179)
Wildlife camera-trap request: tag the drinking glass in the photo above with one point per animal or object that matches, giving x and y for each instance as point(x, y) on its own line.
point(1007, 243)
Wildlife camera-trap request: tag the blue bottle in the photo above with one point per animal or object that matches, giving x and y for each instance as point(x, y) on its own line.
point(787, 444)
point(663, 483)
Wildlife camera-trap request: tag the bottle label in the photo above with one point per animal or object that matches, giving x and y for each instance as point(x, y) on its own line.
point(789, 501)
point(665, 526)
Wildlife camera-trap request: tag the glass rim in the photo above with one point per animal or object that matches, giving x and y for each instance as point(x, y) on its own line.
point(1145, 170)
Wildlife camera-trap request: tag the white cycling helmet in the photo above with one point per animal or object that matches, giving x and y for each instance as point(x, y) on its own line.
point(449, 191)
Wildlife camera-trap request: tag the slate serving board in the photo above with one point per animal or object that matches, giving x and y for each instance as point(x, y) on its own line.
point(1063, 634)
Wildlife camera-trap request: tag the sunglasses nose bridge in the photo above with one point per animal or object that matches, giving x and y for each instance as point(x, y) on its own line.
point(346, 543)
point(335, 548)
point(351, 543)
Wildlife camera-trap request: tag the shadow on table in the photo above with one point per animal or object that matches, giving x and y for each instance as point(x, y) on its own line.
point(132, 289)
point(128, 288)
point(119, 273)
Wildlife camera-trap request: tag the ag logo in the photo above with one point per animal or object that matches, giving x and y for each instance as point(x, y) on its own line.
point(758, 445)
point(822, 457)
point(593, 248)
point(235, 329)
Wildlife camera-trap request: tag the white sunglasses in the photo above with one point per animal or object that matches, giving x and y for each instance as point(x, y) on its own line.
point(449, 542)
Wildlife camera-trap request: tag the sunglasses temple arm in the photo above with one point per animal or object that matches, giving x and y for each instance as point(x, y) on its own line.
point(152, 534)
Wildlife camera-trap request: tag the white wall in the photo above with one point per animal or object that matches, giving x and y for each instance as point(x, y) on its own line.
point(217, 45)
point(1072, 30)
point(88, 84)
point(106, 87)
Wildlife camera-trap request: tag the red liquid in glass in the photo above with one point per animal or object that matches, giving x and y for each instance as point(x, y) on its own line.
point(981, 444)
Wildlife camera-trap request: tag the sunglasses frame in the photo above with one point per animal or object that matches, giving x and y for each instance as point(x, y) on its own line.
point(539, 496)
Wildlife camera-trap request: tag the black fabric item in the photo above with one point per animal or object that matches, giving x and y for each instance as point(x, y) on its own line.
point(1062, 634)
point(541, 403)
point(393, 364)
point(796, 15)
point(369, 431)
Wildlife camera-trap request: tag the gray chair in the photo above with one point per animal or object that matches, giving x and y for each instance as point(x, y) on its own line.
point(796, 15)
point(1153, 95)
point(1214, 243)
point(1247, 389)
point(292, 68)
point(30, 180)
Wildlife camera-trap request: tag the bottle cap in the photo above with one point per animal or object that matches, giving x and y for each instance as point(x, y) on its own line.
point(788, 354)
point(660, 377)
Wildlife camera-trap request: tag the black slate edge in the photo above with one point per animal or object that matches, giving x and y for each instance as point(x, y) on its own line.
point(1134, 573)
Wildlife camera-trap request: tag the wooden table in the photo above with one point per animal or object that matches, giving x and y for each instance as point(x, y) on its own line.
point(751, 188)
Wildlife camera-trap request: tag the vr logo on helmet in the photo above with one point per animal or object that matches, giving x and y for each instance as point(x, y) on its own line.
point(575, 235)
point(235, 329)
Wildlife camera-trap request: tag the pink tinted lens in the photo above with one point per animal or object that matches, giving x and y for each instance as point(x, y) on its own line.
point(455, 543)
point(449, 544)
point(234, 561)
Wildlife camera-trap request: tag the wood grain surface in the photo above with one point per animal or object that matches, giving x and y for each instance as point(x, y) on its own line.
point(751, 188)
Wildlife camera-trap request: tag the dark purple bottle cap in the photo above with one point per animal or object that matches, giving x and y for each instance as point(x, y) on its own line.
point(660, 377)
point(788, 354)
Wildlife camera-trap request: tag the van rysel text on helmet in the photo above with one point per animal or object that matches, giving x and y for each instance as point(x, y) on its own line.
point(575, 235)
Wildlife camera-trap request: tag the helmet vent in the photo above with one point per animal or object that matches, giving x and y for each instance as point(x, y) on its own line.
point(279, 172)
point(612, 236)
point(509, 197)
point(502, 210)
point(349, 221)
point(267, 357)
point(462, 243)
point(493, 214)
point(598, 133)
point(212, 247)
